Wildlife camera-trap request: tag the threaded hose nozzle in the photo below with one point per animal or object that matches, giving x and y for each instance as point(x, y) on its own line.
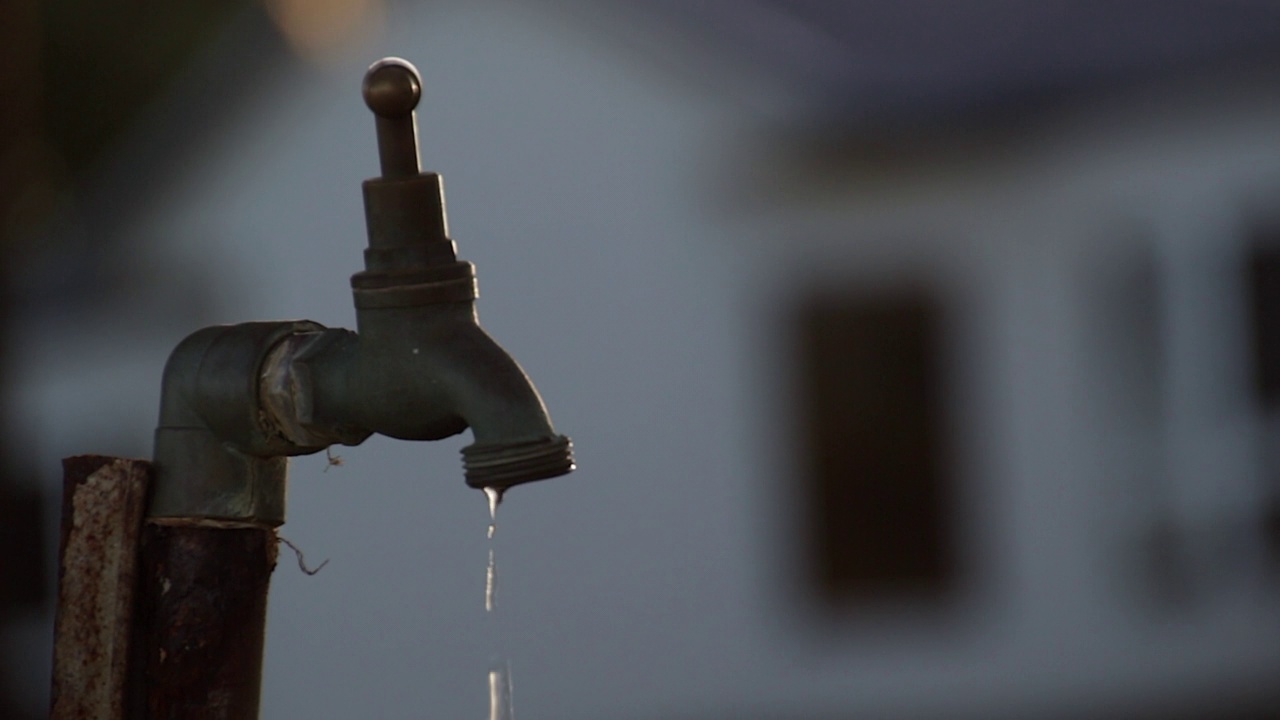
point(501, 465)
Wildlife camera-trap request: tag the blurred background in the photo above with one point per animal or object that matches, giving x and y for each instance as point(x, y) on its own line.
point(922, 358)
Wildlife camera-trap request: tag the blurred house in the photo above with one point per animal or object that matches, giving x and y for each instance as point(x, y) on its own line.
point(923, 360)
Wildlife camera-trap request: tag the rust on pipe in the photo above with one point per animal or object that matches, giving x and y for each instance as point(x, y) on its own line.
point(102, 505)
point(200, 620)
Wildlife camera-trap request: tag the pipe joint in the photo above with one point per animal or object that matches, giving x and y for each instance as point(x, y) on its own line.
point(217, 453)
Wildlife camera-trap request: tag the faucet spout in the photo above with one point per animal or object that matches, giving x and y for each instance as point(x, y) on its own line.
point(420, 373)
point(514, 439)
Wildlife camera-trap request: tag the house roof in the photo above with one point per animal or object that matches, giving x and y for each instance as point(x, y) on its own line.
point(910, 57)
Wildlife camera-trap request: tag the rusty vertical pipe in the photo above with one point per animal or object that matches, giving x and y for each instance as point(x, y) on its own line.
point(200, 620)
point(157, 619)
point(102, 505)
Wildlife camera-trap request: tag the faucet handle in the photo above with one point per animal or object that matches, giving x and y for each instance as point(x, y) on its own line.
point(410, 259)
point(392, 89)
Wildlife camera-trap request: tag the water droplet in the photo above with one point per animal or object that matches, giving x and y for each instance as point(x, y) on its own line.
point(490, 581)
point(495, 499)
point(500, 691)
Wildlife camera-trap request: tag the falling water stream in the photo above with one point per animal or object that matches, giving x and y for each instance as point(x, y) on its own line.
point(499, 665)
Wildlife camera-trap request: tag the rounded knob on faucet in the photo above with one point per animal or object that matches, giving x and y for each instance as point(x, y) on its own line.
point(392, 89)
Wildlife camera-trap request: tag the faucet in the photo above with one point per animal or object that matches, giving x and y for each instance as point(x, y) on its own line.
point(237, 400)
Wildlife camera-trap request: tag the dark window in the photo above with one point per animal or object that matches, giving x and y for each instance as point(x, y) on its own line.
point(1263, 278)
point(879, 497)
point(1263, 286)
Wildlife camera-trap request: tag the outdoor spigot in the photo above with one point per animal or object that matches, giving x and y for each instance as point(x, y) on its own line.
point(238, 399)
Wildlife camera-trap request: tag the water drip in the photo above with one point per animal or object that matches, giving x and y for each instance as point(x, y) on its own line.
point(499, 666)
point(500, 691)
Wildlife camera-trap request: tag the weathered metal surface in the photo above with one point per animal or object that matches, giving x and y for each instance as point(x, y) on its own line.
point(200, 620)
point(102, 506)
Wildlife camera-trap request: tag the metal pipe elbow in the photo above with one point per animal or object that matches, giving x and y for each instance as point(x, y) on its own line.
point(217, 456)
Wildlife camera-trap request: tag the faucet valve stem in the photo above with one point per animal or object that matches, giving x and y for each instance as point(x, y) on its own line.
point(410, 261)
point(392, 89)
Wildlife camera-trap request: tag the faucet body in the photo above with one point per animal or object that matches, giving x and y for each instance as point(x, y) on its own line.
point(238, 400)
